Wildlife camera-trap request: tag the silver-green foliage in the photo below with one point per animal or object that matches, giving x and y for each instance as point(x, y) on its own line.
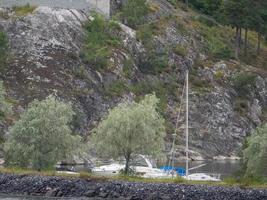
point(5, 108)
point(42, 136)
point(255, 155)
point(131, 128)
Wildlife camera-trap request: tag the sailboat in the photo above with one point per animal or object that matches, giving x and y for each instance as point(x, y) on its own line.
point(146, 171)
point(193, 176)
point(168, 171)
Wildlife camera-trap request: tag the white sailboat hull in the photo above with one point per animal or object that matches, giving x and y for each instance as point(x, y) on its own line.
point(146, 172)
point(201, 177)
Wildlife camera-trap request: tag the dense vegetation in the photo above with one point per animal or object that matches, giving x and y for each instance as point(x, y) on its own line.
point(131, 128)
point(241, 14)
point(5, 107)
point(100, 39)
point(134, 12)
point(255, 153)
point(42, 136)
point(3, 51)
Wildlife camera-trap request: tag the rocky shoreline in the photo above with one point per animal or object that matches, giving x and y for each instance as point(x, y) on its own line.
point(100, 189)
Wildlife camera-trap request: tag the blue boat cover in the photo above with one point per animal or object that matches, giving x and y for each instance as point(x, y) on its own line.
point(179, 170)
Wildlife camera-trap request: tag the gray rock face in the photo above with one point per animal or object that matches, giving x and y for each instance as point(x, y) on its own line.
point(45, 49)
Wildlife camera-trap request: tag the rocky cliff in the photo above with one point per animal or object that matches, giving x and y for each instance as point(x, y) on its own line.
point(45, 48)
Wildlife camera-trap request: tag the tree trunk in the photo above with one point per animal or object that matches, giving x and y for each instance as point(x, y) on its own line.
point(186, 4)
point(127, 164)
point(236, 43)
point(259, 44)
point(246, 41)
point(240, 38)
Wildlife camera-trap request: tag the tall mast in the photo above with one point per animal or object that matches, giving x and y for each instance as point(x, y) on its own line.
point(186, 130)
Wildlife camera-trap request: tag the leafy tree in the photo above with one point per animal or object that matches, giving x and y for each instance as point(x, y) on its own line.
point(5, 108)
point(134, 12)
point(3, 50)
point(42, 136)
point(255, 155)
point(131, 128)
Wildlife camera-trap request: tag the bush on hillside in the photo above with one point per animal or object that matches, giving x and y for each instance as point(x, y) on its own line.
point(255, 154)
point(24, 10)
point(134, 12)
point(100, 39)
point(3, 51)
point(243, 82)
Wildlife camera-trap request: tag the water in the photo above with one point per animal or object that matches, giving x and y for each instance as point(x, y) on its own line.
point(225, 168)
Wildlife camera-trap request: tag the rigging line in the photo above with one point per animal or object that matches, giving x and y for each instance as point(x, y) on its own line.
point(171, 162)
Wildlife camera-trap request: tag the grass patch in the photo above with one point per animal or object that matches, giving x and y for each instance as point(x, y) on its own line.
point(217, 44)
point(24, 10)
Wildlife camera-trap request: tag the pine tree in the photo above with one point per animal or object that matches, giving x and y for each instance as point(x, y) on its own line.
point(234, 12)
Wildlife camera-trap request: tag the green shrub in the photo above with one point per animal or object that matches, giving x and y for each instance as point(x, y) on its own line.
point(219, 75)
point(3, 51)
point(173, 2)
point(254, 155)
point(116, 88)
point(24, 10)
point(127, 67)
point(217, 42)
point(99, 41)
point(243, 82)
point(42, 137)
point(180, 50)
point(155, 62)
point(208, 21)
point(134, 12)
point(241, 106)
point(145, 35)
point(199, 84)
point(5, 106)
point(80, 72)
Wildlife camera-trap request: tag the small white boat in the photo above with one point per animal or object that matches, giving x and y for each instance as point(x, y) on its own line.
point(111, 169)
point(147, 171)
point(202, 177)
